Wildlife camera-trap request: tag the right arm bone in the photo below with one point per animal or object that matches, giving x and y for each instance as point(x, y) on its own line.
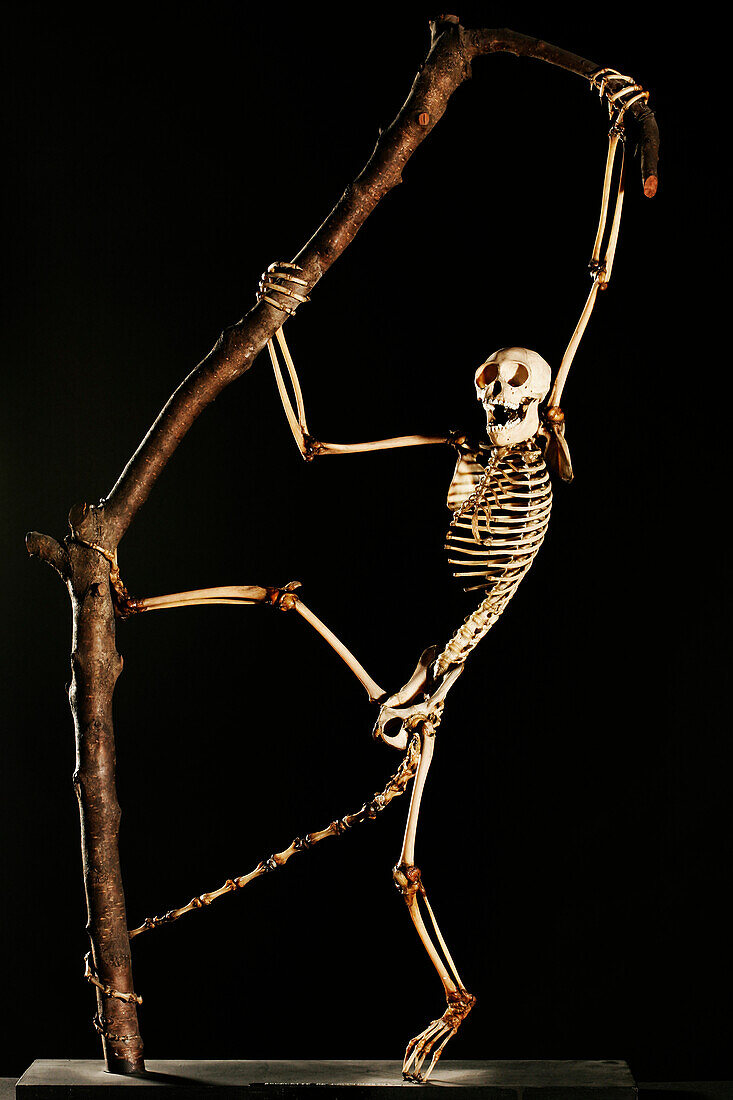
point(308, 446)
point(284, 280)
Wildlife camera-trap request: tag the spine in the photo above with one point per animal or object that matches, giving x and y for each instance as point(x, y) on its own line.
point(468, 636)
point(516, 504)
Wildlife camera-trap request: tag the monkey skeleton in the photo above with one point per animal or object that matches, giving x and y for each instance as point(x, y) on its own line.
point(500, 497)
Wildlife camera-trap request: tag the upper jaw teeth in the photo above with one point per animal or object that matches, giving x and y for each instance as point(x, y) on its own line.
point(503, 412)
point(502, 400)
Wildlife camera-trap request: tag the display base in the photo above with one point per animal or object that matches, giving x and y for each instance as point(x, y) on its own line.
point(85, 1079)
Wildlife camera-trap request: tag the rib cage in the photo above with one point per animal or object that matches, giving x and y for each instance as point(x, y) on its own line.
point(468, 473)
point(496, 531)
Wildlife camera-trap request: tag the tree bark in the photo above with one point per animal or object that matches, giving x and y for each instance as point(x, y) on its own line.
point(84, 559)
point(95, 665)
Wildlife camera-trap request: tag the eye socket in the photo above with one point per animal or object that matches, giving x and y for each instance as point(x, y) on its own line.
point(486, 375)
point(520, 376)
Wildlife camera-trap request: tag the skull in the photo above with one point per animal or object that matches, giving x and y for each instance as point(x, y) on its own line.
point(510, 385)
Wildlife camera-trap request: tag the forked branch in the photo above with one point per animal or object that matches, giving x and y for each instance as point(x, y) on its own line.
point(49, 550)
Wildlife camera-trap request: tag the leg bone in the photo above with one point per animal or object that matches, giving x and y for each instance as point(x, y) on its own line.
point(284, 598)
point(408, 880)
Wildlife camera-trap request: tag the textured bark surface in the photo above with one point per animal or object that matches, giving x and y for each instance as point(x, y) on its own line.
point(95, 666)
point(95, 661)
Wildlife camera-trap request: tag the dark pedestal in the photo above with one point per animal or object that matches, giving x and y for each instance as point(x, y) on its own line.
point(56, 1079)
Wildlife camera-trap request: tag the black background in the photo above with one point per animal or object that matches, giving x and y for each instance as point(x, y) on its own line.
point(575, 837)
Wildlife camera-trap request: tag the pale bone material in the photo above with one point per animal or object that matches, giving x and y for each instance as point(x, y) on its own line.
point(408, 880)
point(500, 518)
point(308, 447)
point(396, 786)
point(510, 385)
point(107, 990)
point(600, 268)
point(621, 92)
point(501, 499)
point(250, 595)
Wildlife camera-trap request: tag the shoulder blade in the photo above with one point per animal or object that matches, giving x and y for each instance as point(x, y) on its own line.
point(466, 476)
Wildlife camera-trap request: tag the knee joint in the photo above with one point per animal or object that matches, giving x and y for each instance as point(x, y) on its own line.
point(284, 598)
point(407, 880)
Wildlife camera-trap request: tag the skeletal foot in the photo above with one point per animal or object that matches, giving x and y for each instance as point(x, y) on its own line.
point(435, 1036)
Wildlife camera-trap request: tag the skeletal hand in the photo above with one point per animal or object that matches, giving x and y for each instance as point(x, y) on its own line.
point(281, 279)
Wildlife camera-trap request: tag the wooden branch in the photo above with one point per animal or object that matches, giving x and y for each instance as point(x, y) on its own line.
point(448, 64)
point(95, 666)
point(47, 549)
point(506, 41)
point(89, 555)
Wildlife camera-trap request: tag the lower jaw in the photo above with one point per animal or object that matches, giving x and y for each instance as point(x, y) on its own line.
point(496, 431)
